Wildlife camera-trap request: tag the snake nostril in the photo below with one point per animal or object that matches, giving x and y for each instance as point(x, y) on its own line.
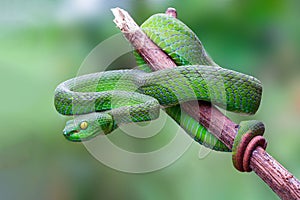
point(66, 133)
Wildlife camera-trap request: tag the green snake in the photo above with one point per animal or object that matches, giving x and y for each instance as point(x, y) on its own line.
point(104, 101)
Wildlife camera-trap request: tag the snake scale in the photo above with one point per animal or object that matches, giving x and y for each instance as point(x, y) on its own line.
point(105, 100)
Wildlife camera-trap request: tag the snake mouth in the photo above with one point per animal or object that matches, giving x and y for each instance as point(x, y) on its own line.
point(74, 136)
point(69, 135)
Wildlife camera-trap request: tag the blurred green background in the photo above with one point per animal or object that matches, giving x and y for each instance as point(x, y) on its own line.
point(43, 43)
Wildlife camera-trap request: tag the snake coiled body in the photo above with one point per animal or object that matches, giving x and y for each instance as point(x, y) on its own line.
point(105, 100)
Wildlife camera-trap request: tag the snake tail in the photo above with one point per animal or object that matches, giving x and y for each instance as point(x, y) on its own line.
point(247, 130)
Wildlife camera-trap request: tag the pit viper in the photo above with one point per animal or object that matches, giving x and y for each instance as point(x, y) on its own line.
point(104, 101)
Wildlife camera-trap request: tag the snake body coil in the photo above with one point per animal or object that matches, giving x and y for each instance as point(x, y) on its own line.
point(105, 100)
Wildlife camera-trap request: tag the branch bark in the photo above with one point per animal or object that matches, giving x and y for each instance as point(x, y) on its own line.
point(282, 182)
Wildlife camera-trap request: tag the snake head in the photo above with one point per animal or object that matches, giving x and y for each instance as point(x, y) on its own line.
point(87, 126)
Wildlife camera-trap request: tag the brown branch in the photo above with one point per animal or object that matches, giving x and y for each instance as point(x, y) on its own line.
point(282, 182)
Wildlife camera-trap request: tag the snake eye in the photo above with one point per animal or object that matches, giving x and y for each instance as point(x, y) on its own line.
point(83, 125)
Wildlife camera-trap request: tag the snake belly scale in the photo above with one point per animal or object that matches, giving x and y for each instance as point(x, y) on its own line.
point(105, 100)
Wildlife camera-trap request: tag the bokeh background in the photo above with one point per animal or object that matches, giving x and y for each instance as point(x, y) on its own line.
point(44, 42)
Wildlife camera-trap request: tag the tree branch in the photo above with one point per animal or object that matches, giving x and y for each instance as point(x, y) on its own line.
point(282, 182)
